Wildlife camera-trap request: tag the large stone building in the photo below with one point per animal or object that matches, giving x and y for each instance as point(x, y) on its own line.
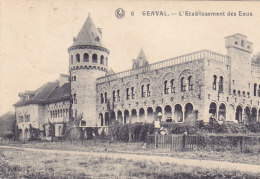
point(198, 85)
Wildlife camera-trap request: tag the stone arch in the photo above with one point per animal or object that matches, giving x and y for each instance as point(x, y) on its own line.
point(158, 113)
point(112, 118)
point(134, 116)
point(106, 119)
point(213, 111)
point(178, 113)
point(101, 118)
point(188, 111)
point(168, 113)
point(150, 114)
point(126, 117)
point(246, 116)
point(239, 112)
point(232, 113)
point(222, 112)
point(253, 115)
point(168, 76)
point(141, 115)
point(119, 116)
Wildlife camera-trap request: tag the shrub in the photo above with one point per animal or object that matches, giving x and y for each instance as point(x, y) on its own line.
point(253, 127)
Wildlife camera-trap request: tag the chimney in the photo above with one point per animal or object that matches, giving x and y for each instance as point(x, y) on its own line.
point(100, 31)
point(63, 79)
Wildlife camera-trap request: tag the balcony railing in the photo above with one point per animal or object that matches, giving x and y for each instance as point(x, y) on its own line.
point(203, 54)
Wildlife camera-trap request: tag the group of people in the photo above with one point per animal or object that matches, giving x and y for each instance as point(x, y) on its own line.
point(213, 118)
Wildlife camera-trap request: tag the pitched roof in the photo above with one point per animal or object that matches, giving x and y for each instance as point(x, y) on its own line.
point(48, 92)
point(140, 61)
point(59, 93)
point(88, 35)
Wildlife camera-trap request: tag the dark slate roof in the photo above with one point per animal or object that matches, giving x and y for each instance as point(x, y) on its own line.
point(59, 93)
point(49, 92)
point(88, 35)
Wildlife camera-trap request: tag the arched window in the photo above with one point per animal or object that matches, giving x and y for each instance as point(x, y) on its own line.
point(190, 83)
point(248, 94)
point(148, 90)
point(132, 93)
point(172, 86)
point(102, 59)
point(182, 85)
point(165, 87)
point(236, 43)
point(75, 98)
point(102, 98)
point(114, 96)
point(242, 43)
point(244, 93)
point(127, 94)
point(106, 61)
point(86, 57)
point(234, 92)
point(71, 59)
point(94, 58)
point(255, 86)
point(214, 82)
point(220, 84)
point(105, 97)
point(118, 95)
point(238, 92)
point(74, 78)
point(51, 114)
point(258, 90)
point(78, 58)
point(142, 91)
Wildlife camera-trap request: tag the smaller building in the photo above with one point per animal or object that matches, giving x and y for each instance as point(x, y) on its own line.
point(49, 103)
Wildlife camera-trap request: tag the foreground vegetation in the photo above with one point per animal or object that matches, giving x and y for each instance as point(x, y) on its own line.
point(18, 164)
point(140, 148)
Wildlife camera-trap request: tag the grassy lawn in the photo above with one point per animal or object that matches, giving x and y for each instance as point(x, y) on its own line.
point(140, 148)
point(21, 164)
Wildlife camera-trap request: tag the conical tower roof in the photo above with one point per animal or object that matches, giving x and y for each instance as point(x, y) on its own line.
point(88, 35)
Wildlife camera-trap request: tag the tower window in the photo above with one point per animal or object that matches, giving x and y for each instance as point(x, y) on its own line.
point(255, 86)
point(71, 59)
point(86, 57)
point(238, 92)
point(106, 61)
point(102, 59)
point(94, 58)
point(102, 98)
point(74, 78)
point(78, 58)
point(118, 95)
point(75, 98)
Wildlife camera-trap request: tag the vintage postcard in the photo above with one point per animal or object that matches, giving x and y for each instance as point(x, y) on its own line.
point(129, 89)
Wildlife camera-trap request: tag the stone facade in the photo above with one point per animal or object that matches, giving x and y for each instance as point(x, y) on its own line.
point(199, 85)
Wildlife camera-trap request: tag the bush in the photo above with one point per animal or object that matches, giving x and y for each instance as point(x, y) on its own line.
point(255, 128)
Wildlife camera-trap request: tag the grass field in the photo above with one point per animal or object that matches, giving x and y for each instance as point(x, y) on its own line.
point(21, 164)
point(140, 148)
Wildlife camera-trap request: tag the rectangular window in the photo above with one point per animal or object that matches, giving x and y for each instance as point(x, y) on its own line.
point(127, 94)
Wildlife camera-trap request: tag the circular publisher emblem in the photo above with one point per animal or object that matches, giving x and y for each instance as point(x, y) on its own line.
point(120, 13)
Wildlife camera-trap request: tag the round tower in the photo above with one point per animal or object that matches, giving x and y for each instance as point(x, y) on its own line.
point(88, 61)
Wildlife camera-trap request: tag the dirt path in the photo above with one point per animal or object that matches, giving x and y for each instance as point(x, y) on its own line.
point(209, 164)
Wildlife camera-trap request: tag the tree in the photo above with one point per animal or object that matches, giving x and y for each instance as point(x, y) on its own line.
point(8, 123)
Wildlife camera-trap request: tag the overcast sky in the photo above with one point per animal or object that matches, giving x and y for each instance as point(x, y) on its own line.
point(35, 36)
